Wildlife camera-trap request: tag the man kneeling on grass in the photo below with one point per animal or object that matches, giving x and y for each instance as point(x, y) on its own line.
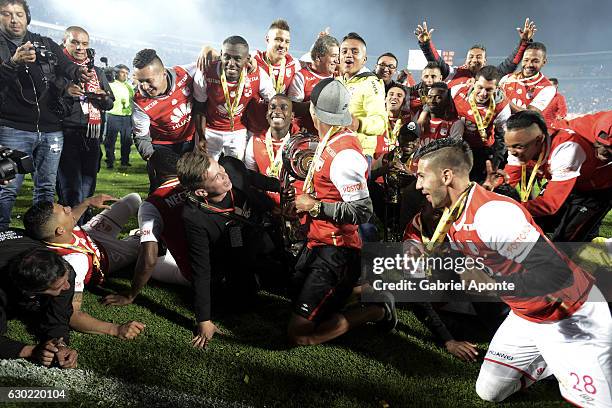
point(35, 284)
point(93, 251)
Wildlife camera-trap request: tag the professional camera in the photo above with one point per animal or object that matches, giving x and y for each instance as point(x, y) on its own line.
point(13, 162)
point(44, 54)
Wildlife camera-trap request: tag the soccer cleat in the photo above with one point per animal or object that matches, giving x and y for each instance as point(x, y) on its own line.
point(389, 320)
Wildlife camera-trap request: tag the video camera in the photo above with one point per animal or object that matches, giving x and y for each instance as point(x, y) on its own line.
point(44, 54)
point(13, 162)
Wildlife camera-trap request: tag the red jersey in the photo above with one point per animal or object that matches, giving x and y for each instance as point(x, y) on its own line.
point(461, 94)
point(207, 88)
point(502, 234)
point(256, 157)
point(557, 109)
point(569, 164)
point(536, 91)
point(341, 176)
point(439, 129)
point(256, 120)
point(87, 258)
point(167, 117)
point(299, 91)
point(165, 221)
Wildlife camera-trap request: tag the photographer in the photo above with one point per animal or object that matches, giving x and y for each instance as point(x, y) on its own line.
point(82, 127)
point(38, 286)
point(30, 112)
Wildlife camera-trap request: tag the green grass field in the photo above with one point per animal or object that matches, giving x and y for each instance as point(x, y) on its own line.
point(251, 363)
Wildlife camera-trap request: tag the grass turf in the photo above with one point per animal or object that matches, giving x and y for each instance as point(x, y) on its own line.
point(251, 362)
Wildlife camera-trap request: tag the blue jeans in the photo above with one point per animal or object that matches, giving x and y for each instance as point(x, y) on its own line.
point(122, 125)
point(78, 167)
point(45, 149)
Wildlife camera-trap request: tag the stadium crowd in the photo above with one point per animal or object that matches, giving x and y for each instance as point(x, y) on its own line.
point(272, 172)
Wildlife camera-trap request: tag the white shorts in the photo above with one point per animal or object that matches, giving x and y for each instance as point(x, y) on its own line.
point(106, 226)
point(226, 142)
point(577, 350)
point(166, 270)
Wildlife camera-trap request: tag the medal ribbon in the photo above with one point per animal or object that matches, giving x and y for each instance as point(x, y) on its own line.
point(308, 182)
point(480, 123)
point(276, 161)
point(279, 82)
point(527, 187)
point(231, 106)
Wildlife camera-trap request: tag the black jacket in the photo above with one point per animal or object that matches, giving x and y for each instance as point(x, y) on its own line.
point(211, 253)
point(28, 102)
point(50, 315)
point(76, 118)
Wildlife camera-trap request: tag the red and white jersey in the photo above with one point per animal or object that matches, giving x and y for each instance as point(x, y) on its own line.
point(569, 164)
point(458, 76)
point(502, 233)
point(340, 176)
point(207, 88)
point(79, 253)
point(536, 91)
point(299, 91)
point(460, 94)
point(167, 117)
point(256, 157)
point(383, 141)
point(440, 128)
point(256, 117)
point(160, 218)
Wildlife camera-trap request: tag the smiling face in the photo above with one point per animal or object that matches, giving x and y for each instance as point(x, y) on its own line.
point(152, 79)
point(216, 181)
point(76, 43)
point(233, 58)
point(476, 59)
point(431, 75)
point(352, 56)
point(525, 144)
point(484, 90)
point(277, 44)
point(280, 113)
point(533, 61)
point(327, 64)
point(13, 20)
point(395, 99)
point(385, 68)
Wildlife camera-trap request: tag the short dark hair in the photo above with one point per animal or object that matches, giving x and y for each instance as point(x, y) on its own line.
point(122, 66)
point(439, 85)
point(236, 40)
point(36, 220)
point(524, 119)
point(478, 47)
point(146, 57)
point(279, 24)
point(433, 65)
point(190, 168)
point(554, 81)
point(400, 86)
point(448, 152)
point(164, 162)
point(388, 54)
point(489, 73)
point(354, 36)
point(22, 3)
point(322, 45)
point(37, 270)
point(536, 46)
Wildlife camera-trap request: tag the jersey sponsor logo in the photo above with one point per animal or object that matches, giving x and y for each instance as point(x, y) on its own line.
point(180, 114)
point(175, 199)
point(152, 104)
point(351, 188)
point(501, 355)
point(519, 102)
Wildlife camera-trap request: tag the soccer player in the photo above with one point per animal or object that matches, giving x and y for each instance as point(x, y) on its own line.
point(576, 161)
point(439, 118)
point(324, 55)
point(484, 110)
point(226, 88)
point(280, 66)
point(92, 251)
point(558, 106)
point(476, 57)
point(161, 115)
point(418, 93)
point(334, 200)
point(161, 231)
point(529, 88)
point(559, 323)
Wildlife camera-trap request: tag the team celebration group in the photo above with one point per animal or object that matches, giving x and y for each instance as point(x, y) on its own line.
point(270, 171)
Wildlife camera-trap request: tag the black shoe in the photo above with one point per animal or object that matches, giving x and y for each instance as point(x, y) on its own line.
point(389, 320)
point(109, 166)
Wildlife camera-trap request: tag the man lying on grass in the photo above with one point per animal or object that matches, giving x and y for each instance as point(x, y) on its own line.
point(35, 284)
point(93, 251)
